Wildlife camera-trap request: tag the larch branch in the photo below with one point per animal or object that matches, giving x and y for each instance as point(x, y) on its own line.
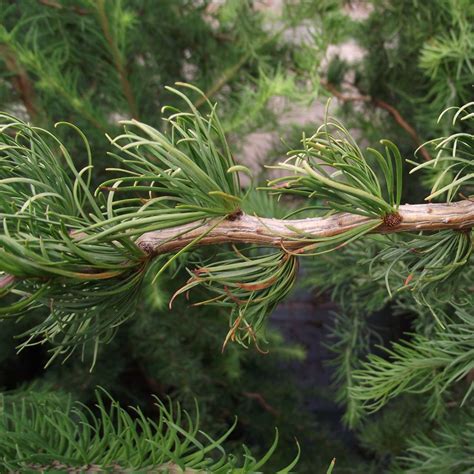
point(289, 234)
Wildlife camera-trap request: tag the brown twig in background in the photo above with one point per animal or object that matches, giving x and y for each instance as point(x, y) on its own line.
point(58, 6)
point(382, 105)
point(225, 77)
point(22, 84)
point(231, 71)
point(405, 125)
point(117, 59)
point(261, 401)
point(344, 97)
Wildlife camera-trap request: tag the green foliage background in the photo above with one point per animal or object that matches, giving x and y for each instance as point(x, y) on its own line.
point(94, 63)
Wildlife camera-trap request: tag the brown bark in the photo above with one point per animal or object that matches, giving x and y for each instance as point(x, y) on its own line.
point(275, 232)
point(117, 59)
point(22, 83)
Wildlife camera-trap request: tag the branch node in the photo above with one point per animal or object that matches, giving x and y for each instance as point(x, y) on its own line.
point(392, 220)
point(235, 216)
point(148, 248)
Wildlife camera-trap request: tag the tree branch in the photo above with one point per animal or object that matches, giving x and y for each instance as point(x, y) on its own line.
point(261, 401)
point(382, 105)
point(117, 58)
point(276, 232)
point(59, 6)
point(22, 83)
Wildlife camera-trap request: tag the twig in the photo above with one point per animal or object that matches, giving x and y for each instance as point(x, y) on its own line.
point(225, 77)
point(231, 71)
point(58, 6)
point(22, 83)
point(6, 280)
point(278, 233)
point(117, 59)
point(405, 125)
point(287, 233)
point(261, 401)
point(382, 105)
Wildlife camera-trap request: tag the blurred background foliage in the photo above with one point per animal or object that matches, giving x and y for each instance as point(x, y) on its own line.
point(95, 62)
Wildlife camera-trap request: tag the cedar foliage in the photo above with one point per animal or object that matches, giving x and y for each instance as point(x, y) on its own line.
point(100, 300)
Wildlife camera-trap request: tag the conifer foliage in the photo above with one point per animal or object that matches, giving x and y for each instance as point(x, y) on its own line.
point(80, 247)
point(77, 250)
point(69, 436)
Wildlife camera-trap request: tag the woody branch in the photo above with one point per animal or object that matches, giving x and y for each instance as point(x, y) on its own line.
point(290, 233)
